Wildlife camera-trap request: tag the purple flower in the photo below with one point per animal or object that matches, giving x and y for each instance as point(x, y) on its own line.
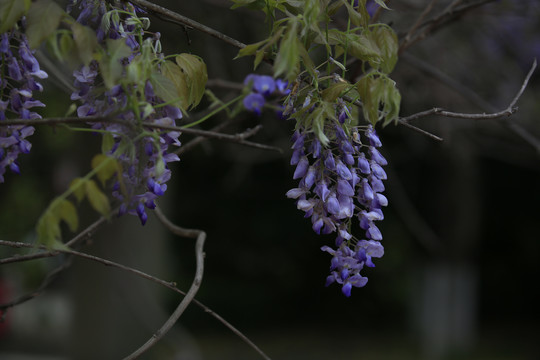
point(339, 183)
point(144, 160)
point(16, 89)
point(254, 102)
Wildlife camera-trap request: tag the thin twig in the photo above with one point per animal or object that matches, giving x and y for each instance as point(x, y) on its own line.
point(167, 284)
point(420, 131)
point(199, 139)
point(510, 110)
point(449, 14)
point(171, 16)
point(224, 84)
point(236, 138)
point(191, 233)
point(86, 233)
point(418, 21)
point(47, 280)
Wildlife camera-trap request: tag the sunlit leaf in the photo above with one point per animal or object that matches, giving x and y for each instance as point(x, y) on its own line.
point(78, 188)
point(174, 88)
point(48, 230)
point(66, 211)
point(106, 167)
point(195, 71)
point(97, 198)
point(107, 143)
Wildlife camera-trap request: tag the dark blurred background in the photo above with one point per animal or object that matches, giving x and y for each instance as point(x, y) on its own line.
point(459, 278)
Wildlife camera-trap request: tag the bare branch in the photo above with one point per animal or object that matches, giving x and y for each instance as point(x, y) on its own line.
point(451, 13)
point(237, 138)
point(510, 110)
point(191, 233)
point(418, 21)
point(171, 16)
point(49, 278)
point(420, 131)
point(86, 233)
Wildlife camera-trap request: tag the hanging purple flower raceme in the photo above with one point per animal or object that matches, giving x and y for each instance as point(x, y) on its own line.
point(339, 183)
point(143, 159)
point(20, 75)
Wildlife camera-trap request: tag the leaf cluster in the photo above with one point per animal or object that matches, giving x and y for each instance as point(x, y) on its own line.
point(306, 26)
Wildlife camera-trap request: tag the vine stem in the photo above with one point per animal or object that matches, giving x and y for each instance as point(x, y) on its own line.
point(190, 295)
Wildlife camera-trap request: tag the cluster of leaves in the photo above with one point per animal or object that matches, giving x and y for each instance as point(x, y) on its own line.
point(305, 27)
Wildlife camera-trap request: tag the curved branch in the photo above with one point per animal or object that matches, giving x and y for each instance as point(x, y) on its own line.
point(191, 233)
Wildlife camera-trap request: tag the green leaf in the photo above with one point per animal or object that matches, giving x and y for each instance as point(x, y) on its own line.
point(354, 16)
point(78, 188)
point(332, 92)
point(392, 101)
point(362, 47)
point(85, 41)
point(195, 71)
point(97, 198)
point(107, 143)
point(110, 64)
point(105, 166)
point(288, 58)
point(259, 56)
point(172, 85)
point(67, 49)
point(42, 21)
point(66, 211)
point(250, 49)
point(387, 42)
point(382, 4)
point(367, 88)
point(12, 11)
point(48, 225)
point(317, 119)
point(48, 230)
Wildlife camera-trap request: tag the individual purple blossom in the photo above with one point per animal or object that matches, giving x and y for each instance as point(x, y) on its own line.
point(254, 102)
point(262, 88)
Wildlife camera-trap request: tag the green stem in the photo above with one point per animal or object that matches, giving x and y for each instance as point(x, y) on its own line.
point(222, 107)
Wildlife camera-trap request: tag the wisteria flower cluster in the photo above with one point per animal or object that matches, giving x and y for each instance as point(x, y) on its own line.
point(20, 74)
point(262, 87)
point(142, 156)
point(338, 183)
